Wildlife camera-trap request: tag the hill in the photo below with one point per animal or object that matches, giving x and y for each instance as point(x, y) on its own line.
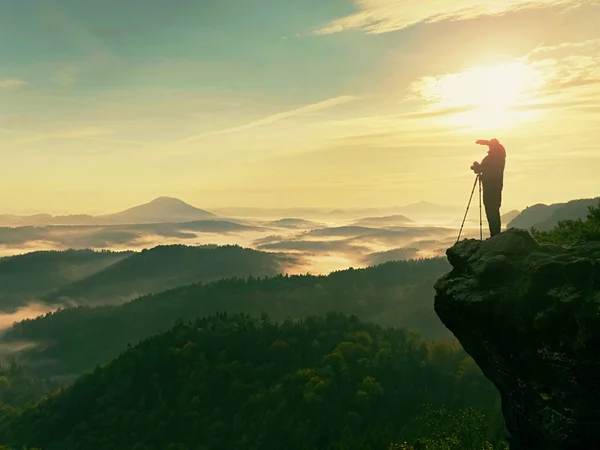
point(419, 211)
point(573, 232)
point(166, 267)
point(159, 210)
point(109, 236)
point(234, 382)
point(385, 221)
point(508, 217)
point(73, 340)
point(26, 278)
point(545, 217)
point(294, 224)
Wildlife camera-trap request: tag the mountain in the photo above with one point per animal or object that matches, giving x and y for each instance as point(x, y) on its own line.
point(419, 210)
point(26, 278)
point(111, 236)
point(241, 383)
point(508, 217)
point(544, 217)
point(76, 339)
point(292, 223)
point(385, 221)
point(160, 210)
point(172, 210)
point(166, 267)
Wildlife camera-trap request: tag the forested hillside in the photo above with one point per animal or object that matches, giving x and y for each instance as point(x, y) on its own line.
point(25, 278)
point(17, 389)
point(76, 339)
point(236, 382)
point(545, 217)
point(165, 267)
point(572, 232)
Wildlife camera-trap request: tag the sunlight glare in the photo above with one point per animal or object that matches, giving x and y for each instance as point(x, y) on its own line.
point(490, 96)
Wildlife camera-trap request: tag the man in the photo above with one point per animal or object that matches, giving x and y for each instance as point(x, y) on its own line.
point(491, 172)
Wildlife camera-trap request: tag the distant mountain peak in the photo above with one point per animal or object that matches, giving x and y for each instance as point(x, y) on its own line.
point(163, 200)
point(161, 209)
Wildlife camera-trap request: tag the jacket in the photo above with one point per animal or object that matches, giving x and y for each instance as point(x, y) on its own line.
point(491, 167)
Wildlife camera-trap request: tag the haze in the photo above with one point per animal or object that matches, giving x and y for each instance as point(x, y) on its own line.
point(270, 104)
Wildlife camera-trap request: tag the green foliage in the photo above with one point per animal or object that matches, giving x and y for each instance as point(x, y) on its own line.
point(573, 232)
point(2, 447)
point(17, 388)
point(446, 429)
point(88, 276)
point(34, 274)
point(166, 267)
point(329, 383)
point(398, 293)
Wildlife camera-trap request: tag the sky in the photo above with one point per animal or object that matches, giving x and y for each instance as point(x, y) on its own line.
point(270, 103)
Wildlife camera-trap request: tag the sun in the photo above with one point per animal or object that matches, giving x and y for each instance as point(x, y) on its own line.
point(484, 98)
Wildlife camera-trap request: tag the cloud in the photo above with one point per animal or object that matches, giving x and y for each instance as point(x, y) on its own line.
point(315, 247)
point(344, 231)
point(383, 16)
point(527, 89)
point(271, 239)
point(66, 76)
point(8, 83)
point(96, 55)
point(568, 65)
point(307, 109)
point(295, 224)
point(70, 134)
point(104, 236)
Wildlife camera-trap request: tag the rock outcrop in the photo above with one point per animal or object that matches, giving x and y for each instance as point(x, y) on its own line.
point(529, 315)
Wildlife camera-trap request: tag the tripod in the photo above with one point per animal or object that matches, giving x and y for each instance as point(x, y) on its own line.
point(477, 179)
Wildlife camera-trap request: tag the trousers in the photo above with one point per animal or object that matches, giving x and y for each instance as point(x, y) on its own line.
point(492, 200)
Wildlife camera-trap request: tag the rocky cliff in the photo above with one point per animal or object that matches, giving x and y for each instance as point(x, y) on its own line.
point(529, 315)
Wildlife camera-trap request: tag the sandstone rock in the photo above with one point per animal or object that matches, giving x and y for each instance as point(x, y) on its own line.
point(529, 315)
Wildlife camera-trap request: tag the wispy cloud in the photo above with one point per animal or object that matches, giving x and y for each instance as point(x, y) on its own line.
point(96, 55)
point(66, 76)
point(382, 16)
point(568, 65)
point(307, 109)
point(7, 83)
point(70, 134)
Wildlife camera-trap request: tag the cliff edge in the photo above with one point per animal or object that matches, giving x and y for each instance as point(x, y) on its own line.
point(529, 315)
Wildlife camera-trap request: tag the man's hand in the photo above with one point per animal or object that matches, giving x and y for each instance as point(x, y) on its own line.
point(482, 142)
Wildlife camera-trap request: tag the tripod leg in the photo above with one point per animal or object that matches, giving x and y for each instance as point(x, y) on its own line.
point(467, 211)
point(480, 216)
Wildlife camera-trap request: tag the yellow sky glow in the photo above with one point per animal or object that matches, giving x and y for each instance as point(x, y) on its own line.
point(492, 92)
point(399, 130)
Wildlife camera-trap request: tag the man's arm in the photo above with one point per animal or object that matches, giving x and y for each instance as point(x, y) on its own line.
point(480, 167)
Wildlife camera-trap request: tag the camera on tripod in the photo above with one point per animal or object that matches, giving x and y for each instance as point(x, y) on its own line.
point(476, 167)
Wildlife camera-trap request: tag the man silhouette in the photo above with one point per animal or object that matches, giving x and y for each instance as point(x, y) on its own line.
point(491, 172)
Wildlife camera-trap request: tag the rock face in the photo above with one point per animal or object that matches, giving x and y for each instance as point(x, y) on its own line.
point(529, 315)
